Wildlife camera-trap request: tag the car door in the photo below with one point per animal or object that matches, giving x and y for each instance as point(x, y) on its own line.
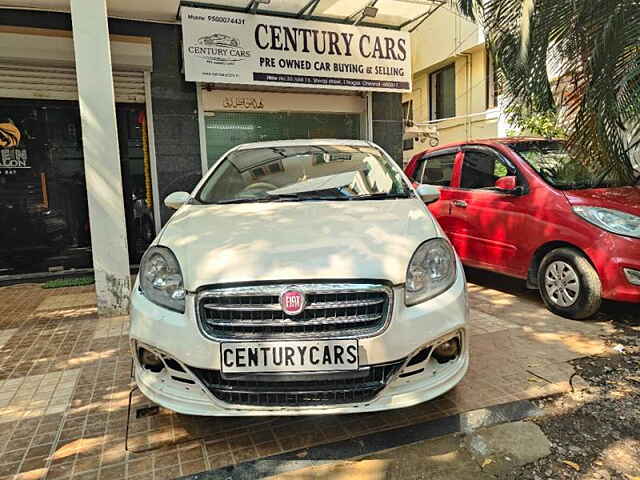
point(490, 220)
point(438, 169)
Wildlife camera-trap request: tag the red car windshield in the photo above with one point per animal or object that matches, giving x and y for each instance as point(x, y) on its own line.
point(550, 159)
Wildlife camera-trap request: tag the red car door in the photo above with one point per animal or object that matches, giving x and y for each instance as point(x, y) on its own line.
point(437, 168)
point(490, 219)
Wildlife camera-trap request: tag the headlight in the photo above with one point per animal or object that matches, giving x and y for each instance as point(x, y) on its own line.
point(161, 278)
point(613, 221)
point(431, 271)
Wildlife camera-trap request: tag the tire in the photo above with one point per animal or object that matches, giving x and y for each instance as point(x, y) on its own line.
point(569, 285)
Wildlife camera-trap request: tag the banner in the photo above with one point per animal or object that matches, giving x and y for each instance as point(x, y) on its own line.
point(239, 48)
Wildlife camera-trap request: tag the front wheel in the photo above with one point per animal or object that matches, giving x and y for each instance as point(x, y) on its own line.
point(569, 285)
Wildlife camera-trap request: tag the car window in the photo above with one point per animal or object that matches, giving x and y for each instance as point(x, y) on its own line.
point(551, 160)
point(481, 169)
point(313, 172)
point(438, 170)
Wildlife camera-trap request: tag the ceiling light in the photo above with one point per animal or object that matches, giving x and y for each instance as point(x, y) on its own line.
point(369, 12)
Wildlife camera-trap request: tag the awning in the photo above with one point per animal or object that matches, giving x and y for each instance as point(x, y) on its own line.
point(395, 14)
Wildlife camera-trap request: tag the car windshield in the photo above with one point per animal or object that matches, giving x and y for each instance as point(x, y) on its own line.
point(303, 173)
point(552, 162)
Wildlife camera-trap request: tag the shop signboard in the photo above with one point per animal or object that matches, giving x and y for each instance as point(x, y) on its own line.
point(12, 155)
point(239, 48)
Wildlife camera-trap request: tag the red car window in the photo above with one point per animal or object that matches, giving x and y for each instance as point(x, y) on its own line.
point(413, 165)
point(438, 169)
point(481, 169)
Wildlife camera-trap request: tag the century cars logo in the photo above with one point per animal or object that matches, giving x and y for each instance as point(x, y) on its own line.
point(219, 49)
point(292, 301)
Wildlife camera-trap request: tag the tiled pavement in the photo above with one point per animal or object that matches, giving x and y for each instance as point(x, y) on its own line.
point(65, 382)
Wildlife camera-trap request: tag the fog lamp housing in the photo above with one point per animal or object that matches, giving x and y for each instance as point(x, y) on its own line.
point(149, 360)
point(633, 276)
point(447, 350)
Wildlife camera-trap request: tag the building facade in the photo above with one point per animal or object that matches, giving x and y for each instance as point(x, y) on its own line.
point(454, 88)
point(88, 157)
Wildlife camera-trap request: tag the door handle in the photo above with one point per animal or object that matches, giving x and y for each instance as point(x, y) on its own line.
point(460, 203)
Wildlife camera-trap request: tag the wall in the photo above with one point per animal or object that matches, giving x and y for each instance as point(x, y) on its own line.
point(387, 123)
point(460, 42)
point(470, 95)
point(175, 105)
point(441, 36)
point(174, 100)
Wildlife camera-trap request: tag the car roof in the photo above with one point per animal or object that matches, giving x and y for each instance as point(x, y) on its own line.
point(492, 141)
point(303, 142)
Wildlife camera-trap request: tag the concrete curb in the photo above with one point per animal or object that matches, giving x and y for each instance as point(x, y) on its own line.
point(371, 443)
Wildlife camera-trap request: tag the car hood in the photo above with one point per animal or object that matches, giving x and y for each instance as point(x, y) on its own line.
point(297, 241)
point(626, 199)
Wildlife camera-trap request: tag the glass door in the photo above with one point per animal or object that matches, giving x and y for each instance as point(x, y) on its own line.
point(136, 178)
point(43, 202)
point(43, 195)
point(225, 130)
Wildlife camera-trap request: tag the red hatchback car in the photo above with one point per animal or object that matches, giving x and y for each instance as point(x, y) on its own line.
point(523, 208)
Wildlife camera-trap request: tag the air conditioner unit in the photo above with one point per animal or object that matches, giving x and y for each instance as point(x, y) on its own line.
point(421, 132)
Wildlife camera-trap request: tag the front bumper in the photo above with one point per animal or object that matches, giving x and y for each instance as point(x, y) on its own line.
point(411, 330)
point(611, 255)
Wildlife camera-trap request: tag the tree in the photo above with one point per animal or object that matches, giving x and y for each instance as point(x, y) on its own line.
point(545, 125)
point(593, 50)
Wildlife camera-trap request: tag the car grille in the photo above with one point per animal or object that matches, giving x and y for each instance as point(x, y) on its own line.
point(332, 310)
point(298, 390)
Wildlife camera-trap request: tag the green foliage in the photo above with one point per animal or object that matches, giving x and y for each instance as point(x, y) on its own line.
point(68, 282)
point(537, 124)
point(593, 47)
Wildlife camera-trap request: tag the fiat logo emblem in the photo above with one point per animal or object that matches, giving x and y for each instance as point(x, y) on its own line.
point(292, 301)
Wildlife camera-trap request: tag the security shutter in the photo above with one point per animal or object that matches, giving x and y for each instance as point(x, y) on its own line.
point(59, 83)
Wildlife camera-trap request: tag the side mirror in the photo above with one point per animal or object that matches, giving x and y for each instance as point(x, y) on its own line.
point(176, 199)
point(428, 193)
point(507, 184)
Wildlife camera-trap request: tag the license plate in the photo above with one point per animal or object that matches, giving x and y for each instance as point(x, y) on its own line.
point(304, 356)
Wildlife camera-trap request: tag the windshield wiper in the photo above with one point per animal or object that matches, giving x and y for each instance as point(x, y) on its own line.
point(379, 196)
point(281, 197)
point(296, 197)
point(231, 201)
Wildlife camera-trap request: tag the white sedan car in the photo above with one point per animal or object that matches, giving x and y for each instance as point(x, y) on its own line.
point(299, 277)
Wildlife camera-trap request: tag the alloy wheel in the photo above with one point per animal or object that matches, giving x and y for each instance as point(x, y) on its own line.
point(562, 284)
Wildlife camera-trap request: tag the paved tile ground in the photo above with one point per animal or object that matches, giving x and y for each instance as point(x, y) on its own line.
point(67, 302)
point(478, 455)
point(33, 396)
point(65, 382)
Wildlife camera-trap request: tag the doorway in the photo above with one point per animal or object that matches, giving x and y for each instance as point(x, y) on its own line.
point(43, 195)
point(225, 130)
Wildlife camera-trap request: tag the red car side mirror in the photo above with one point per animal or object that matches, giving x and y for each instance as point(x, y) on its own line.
point(508, 183)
